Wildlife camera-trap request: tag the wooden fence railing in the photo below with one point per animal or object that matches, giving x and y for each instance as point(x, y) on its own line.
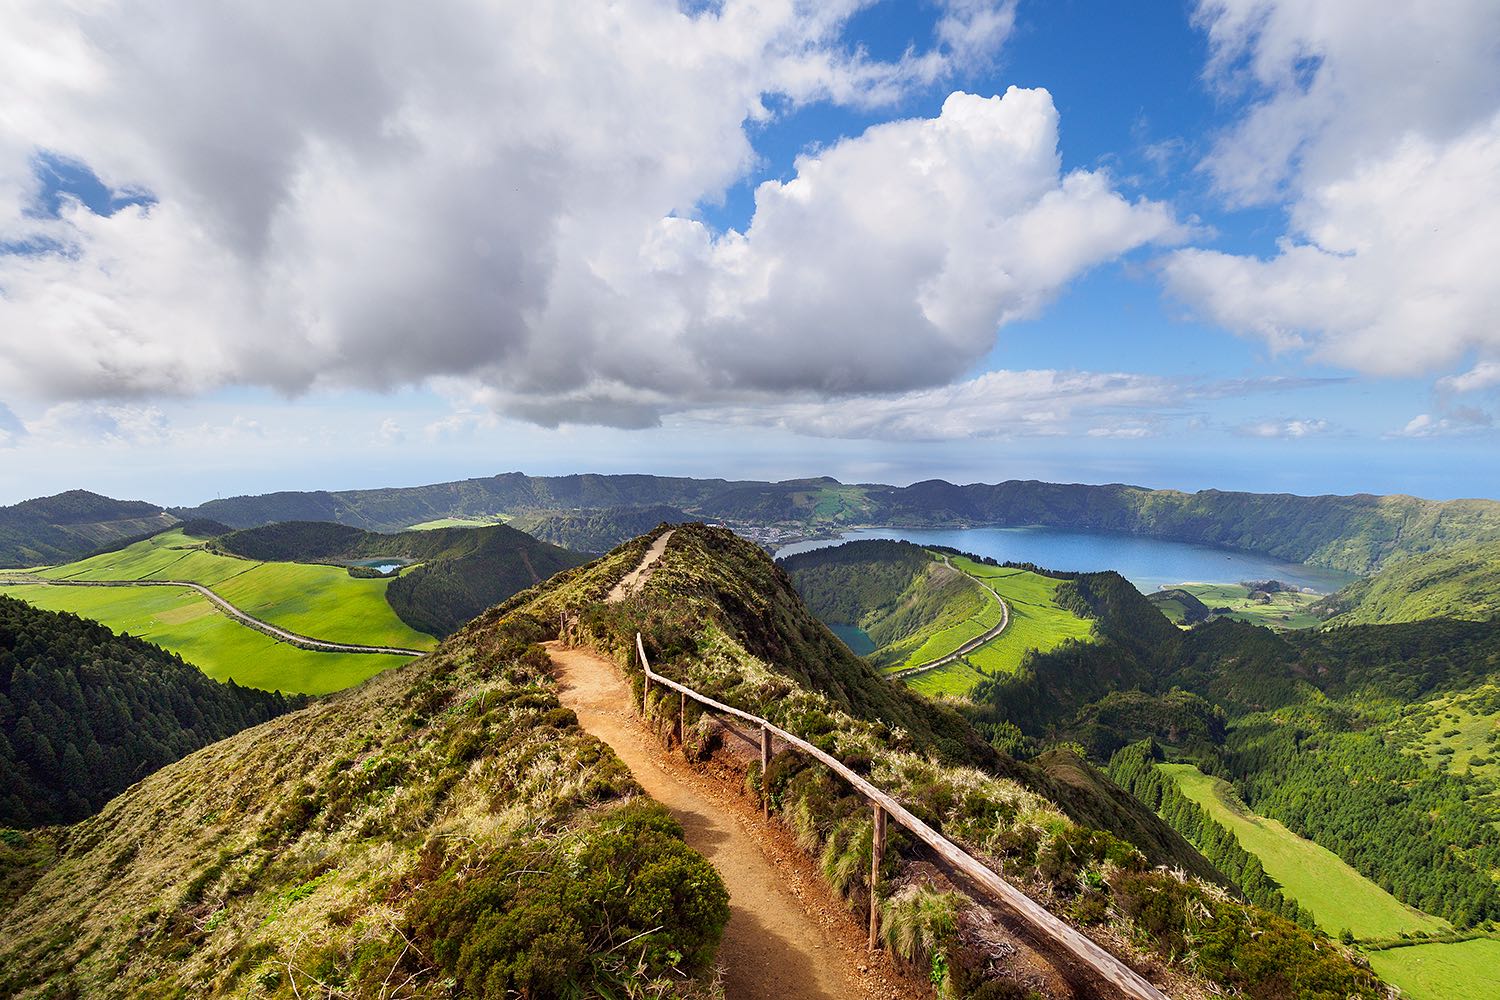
point(1100, 962)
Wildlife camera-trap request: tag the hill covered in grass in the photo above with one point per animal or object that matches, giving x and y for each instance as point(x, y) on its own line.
point(69, 525)
point(1458, 582)
point(446, 827)
point(85, 712)
point(461, 571)
point(1357, 534)
point(1289, 717)
point(717, 613)
point(897, 593)
point(917, 606)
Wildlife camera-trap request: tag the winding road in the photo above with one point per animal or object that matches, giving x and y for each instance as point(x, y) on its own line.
point(291, 638)
point(969, 646)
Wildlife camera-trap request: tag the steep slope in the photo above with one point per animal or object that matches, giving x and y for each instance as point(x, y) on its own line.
point(895, 592)
point(1358, 534)
point(85, 712)
point(717, 613)
point(70, 525)
point(1290, 717)
point(445, 827)
point(1459, 582)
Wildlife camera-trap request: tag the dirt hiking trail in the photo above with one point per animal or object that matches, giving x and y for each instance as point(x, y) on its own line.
point(636, 578)
point(786, 938)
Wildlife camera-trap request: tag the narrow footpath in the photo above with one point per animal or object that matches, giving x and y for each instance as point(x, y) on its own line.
point(787, 938)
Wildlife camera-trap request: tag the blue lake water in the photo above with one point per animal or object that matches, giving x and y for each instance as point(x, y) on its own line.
point(386, 566)
point(1149, 563)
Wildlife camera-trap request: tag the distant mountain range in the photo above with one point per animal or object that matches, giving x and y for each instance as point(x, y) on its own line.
point(1358, 534)
point(63, 527)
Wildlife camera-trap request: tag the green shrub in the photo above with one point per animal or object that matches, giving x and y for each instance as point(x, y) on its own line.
point(543, 925)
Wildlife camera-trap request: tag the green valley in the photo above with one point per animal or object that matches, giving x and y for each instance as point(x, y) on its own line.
point(324, 602)
point(1338, 897)
point(916, 606)
point(184, 622)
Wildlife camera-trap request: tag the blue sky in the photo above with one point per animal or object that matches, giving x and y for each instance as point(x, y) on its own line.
point(1237, 244)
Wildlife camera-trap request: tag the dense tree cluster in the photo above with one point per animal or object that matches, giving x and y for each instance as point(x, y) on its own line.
point(1301, 742)
point(1134, 769)
point(84, 713)
point(1415, 832)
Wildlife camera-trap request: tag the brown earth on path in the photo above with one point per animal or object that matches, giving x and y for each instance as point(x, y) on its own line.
point(787, 936)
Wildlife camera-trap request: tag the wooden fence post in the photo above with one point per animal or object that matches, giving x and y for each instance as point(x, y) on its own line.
point(646, 698)
point(765, 767)
point(877, 854)
point(681, 719)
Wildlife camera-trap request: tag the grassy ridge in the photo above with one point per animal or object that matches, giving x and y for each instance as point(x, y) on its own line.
point(188, 625)
point(1337, 896)
point(1037, 622)
point(443, 830)
point(323, 602)
point(1462, 582)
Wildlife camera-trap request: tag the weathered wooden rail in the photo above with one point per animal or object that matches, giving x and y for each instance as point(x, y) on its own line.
point(1100, 962)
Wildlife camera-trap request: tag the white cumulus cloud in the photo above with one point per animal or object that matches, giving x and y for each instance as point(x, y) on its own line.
point(505, 196)
point(1378, 124)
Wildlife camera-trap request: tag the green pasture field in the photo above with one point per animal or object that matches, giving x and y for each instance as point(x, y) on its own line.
point(1337, 896)
point(1036, 622)
point(1463, 970)
point(321, 602)
point(956, 679)
point(1288, 609)
point(187, 624)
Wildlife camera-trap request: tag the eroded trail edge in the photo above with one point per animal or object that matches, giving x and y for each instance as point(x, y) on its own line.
point(786, 938)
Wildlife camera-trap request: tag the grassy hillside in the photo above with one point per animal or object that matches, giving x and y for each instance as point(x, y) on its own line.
point(185, 623)
point(1357, 534)
point(323, 602)
point(1459, 582)
point(718, 613)
point(85, 712)
point(461, 571)
point(70, 525)
point(446, 827)
point(1338, 896)
point(1442, 971)
point(917, 606)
